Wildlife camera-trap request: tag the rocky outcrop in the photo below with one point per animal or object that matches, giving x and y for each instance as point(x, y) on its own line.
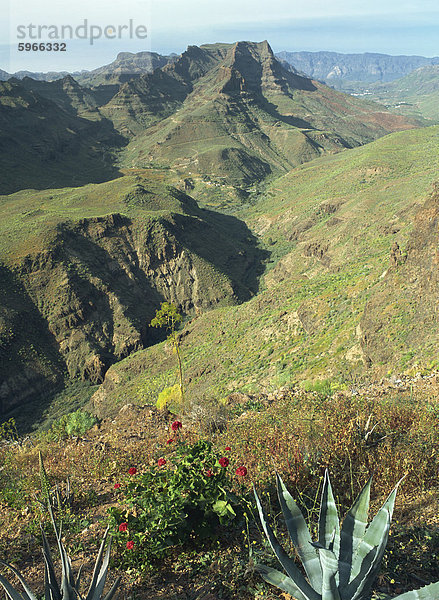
point(94, 290)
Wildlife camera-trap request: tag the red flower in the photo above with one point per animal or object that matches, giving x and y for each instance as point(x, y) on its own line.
point(209, 473)
point(130, 545)
point(116, 486)
point(161, 462)
point(170, 441)
point(227, 448)
point(132, 471)
point(241, 471)
point(123, 527)
point(176, 425)
point(223, 461)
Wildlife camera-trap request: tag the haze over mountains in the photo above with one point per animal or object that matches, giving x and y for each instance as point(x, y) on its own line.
point(334, 67)
point(187, 182)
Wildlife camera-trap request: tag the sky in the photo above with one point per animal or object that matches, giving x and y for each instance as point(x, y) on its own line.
point(385, 26)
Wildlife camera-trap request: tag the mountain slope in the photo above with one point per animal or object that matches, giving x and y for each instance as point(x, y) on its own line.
point(331, 226)
point(231, 111)
point(43, 145)
point(416, 95)
point(66, 93)
point(402, 312)
point(85, 269)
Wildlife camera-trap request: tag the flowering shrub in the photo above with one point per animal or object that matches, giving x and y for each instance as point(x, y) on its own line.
point(184, 498)
point(241, 471)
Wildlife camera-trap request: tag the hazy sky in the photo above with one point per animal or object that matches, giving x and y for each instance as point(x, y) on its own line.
point(387, 26)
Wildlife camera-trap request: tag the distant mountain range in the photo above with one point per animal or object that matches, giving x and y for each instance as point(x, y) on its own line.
point(125, 66)
point(415, 95)
point(335, 68)
point(331, 67)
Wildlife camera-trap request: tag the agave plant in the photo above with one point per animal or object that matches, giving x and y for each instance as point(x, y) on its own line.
point(68, 588)
point(344, 562)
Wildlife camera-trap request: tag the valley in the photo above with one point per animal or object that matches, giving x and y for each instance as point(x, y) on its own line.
point(285, 208)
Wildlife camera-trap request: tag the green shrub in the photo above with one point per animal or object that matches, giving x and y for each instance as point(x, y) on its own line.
point(75, 424)
point(185, 498)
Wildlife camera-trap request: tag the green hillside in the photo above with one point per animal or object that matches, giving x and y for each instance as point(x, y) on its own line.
point(330, 226)
point(84, 269)
point(416, 95)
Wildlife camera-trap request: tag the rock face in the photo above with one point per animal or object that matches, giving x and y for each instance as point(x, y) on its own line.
point(403, 311)
point(85, 301)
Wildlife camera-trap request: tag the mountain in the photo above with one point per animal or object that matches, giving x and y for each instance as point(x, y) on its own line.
point(42, 144)
point(232, 114)
point(331, 227)
point(66, 93)
point(82, 271)
point(225, 115)
point(335, 68)
point(49, 76)
point(126, 66)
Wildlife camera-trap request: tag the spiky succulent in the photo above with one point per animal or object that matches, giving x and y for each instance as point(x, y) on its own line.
point(68, 588)
point(345, 560)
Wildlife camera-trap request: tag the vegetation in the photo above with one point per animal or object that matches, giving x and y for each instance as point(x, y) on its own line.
point(345, 560)
point(168, 317)
point(300, 433)
point(183, 501)
point(68, 587)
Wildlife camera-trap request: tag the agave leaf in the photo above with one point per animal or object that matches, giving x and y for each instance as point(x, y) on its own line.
point(112, 590)
point(78, 580)
point(429, 592)
point(374, 532)
point(329, 564)
point(352, 532)
point(21, 579)
point(67, 578)
point(359, 587)
point(300, 535)
point(288, 564)
point(281, 581)
point(51, 583)
point(96, 570)
point(348, 592)
point(10, 590)
point(329, 526)
point(98, 580)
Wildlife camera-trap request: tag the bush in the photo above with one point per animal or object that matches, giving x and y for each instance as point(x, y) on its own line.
point(75, 423)
point(170, 506)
